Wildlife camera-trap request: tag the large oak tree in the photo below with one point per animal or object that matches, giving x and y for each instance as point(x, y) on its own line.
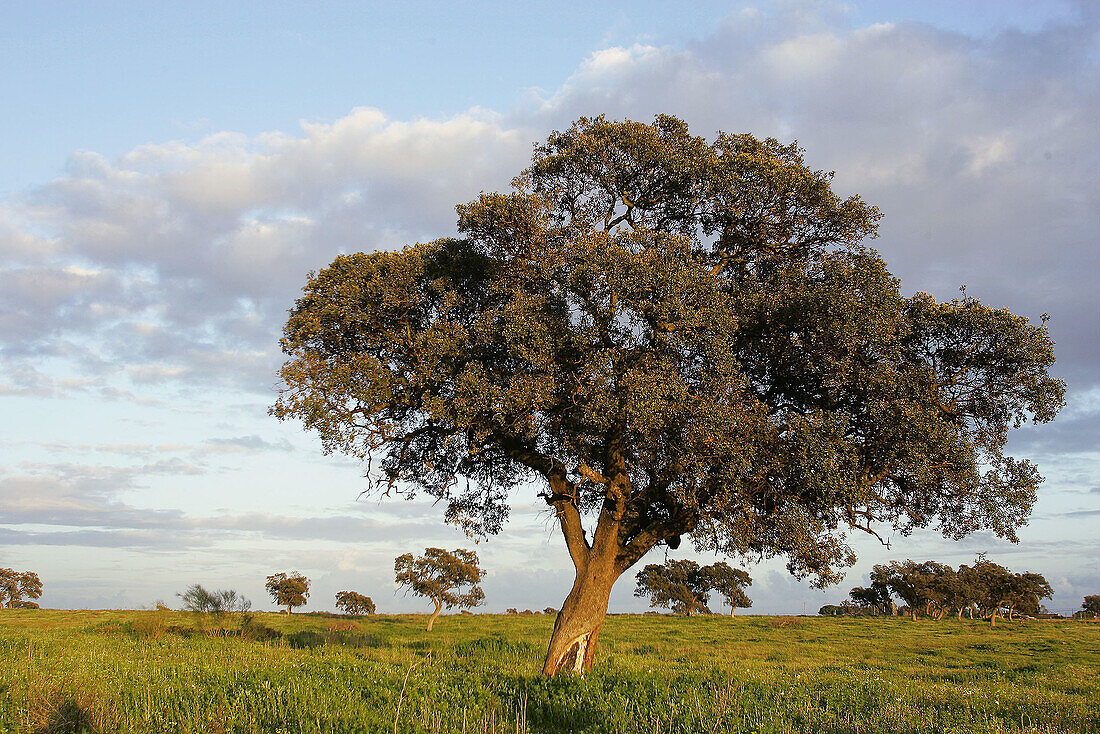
point(669, 337)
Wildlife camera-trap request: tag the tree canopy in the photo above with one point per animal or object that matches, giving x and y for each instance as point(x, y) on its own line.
point(935, 589)
point(17, 587)
point(673, 337)
point(679, 585)
point(729, 583)
point(352, 602)
point(288, 590)
point(685, 587)
point(440, 576)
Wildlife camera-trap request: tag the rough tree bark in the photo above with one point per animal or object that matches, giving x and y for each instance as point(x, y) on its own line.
point(598, 565)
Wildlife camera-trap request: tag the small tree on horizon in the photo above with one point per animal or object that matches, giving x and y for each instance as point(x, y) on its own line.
point(17, 586)
point(875, 597)
point(679, 585)
point(439, 575)
point(288, 590)
point(729, 583)
point(351, 602)
point(1091, 605)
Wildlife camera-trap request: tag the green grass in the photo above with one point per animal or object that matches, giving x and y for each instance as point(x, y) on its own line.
point(109, 671)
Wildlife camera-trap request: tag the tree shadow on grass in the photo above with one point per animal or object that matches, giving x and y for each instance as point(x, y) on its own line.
point(66, 717)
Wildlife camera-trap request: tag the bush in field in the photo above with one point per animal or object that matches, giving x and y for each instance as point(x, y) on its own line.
point(288, 590)
point(350, 602)
point(253, 630)
point(342, 625)
point(15, 585)
point(152, 625)
point(439, 575)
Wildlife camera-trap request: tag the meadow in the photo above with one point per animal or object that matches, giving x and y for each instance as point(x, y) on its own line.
point(149, 671)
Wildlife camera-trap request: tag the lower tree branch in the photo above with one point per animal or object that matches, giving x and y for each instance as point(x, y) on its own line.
point(563, 498)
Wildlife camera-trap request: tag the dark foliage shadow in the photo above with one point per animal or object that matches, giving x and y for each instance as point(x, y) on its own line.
point(67, 718)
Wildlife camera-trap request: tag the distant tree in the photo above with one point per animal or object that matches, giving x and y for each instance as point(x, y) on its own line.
point(439, 575)
point(1027, 590)
point(668, 337)
point(831, 610)
point(875, 597)
point(16, 586)
point(913, 582)
point(549, 610)
point(351, 602)
point(199, 599)
point(1091, 605)
point(679, 585)
point(288, 590)
point(729, 583)
point(957, 591)
point(1002, 592)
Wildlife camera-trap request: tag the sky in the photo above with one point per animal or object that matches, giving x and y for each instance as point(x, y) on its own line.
point(171, 174)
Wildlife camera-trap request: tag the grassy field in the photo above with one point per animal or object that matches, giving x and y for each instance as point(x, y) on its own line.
point(110, 671)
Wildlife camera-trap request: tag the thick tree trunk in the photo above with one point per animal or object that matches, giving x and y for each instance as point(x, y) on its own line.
point(431, 619)
point(572, 646)
point(598, 565)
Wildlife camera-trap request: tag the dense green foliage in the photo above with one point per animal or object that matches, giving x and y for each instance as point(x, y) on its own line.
point(352, 602)
point(986, 589)
point(17, 588)
point(288, 590)
point(669, 336)
point(448, 578)
point(137, 672)
point(685, 587)
point(680, 335)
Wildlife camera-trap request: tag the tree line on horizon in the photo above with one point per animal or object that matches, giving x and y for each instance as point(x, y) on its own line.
point(983, 590)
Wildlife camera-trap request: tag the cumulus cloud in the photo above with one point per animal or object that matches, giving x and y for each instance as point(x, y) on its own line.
point(175, 264)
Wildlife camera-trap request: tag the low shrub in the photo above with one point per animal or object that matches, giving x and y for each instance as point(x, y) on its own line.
point(342, 625)
point(253, 630)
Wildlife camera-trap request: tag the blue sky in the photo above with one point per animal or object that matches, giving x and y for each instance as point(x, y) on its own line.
point(171, 174)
